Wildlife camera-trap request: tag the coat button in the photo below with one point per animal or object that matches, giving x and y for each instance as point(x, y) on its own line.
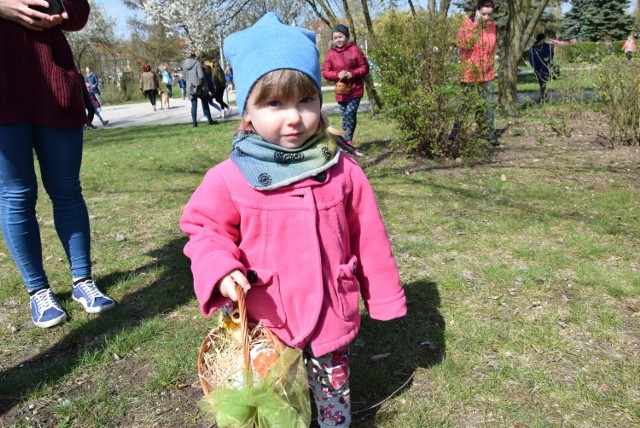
point(252, 276)
point(321, 177)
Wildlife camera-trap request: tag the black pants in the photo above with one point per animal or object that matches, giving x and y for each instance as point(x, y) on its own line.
point(152, 94)
point(542, 76)
point(218, 97)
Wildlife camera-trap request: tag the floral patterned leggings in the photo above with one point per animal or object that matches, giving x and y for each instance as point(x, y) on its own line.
point(328, 378)
point(349, 110)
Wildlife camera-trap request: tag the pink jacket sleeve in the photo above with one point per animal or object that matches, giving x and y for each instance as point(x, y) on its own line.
point(211, 221)
point(377, 272)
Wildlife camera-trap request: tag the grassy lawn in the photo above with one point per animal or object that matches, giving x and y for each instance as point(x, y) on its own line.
point(521, 272)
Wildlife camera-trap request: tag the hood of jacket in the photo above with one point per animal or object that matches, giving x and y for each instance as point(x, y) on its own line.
point(189, 63)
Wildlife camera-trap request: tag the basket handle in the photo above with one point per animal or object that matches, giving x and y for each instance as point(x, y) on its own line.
point(244, 327)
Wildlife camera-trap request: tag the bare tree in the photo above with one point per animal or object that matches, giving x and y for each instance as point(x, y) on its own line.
point(97, 36)
point(517, 34)
point(444, 7)
point(152, 44)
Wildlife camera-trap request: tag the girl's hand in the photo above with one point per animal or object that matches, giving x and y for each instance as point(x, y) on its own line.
point(227, 285)
point(344, 74)
point(20, 12)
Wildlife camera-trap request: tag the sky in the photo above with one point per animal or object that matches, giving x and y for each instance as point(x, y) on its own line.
point(117, 10)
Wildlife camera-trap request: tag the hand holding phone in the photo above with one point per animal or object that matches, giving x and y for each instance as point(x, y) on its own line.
point(55, 7)
point(26, 13)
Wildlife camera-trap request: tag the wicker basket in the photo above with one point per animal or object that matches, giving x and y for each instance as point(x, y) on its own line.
point(249, 332)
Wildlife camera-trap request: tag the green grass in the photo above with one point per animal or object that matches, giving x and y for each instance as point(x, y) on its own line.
point(521, 274)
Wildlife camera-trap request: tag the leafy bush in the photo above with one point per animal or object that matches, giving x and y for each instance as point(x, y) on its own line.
point(419, 83)
point(583, 51)
point(128, 89)
point(619, 84)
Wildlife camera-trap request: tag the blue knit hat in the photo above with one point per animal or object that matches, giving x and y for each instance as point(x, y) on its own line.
point(266, 46)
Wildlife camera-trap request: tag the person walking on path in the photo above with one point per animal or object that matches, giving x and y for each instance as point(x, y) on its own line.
point(228, 76)
point(33, 46)
point(541, 59)
point(346, 63)
point(194, 76)
point(629, 47)
point(149, 84)
point(94, 83)
point(92, 105)
point(211, 88)
point(291, 218)
point(476, 40)
point(182, 84)
point(220, 83)
point(167, 80)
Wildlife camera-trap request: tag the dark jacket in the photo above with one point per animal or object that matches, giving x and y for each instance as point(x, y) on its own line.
point(39, 66)
point(94, 83)
point(541, 58)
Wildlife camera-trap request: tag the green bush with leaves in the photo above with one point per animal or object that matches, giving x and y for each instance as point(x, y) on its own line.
point(128, 89)
point(583, 52)
point(419, 84)
point(619, 84)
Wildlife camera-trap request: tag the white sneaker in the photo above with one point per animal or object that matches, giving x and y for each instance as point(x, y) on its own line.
point(223, 113)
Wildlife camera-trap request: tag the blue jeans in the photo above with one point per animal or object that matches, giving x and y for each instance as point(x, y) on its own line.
point(484, 111)
point(349, 110)
point(59, 153)
point(205, 109)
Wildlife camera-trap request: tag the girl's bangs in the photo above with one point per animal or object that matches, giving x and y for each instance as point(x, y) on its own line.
point(284, 85)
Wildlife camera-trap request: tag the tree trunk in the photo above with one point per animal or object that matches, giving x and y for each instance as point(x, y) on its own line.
point(444, 7)
point(513, 44)
point(432, 6)
point(374, 98)
point(412, 8)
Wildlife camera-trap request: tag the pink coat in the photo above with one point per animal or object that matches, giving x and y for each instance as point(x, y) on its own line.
point(310, 250)
point(477, 49)
point(351, 59)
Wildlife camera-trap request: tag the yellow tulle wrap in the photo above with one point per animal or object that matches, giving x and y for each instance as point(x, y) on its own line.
point(279, 401)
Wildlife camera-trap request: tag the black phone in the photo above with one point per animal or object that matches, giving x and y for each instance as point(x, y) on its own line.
point(55, 7)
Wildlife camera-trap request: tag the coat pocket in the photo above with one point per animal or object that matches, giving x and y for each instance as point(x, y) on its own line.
point(348, 288)
point(264, 301)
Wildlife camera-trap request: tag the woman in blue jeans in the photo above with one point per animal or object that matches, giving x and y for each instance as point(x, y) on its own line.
point(52, 129)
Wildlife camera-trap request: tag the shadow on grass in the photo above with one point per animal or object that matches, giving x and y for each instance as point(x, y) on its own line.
point(171, 291)
point(413, 342)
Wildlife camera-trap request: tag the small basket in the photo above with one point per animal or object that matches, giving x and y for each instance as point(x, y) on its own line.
point(250, 333)
point(343, 88)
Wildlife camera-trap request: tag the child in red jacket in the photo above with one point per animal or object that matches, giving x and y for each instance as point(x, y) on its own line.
point(345, 62)
point(290, 218)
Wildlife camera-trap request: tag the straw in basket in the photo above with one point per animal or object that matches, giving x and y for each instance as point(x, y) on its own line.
point(249, 378)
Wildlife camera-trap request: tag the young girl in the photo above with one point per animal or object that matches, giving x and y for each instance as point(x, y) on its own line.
point(290, 218)
point(346, 62)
